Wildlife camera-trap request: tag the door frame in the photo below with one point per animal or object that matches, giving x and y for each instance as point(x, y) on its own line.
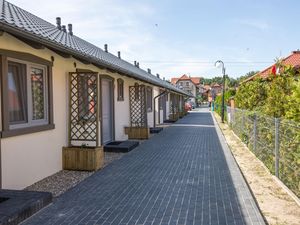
point(112, 80)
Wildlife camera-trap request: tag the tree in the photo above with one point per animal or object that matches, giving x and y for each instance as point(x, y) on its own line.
point(278, 91)
point(251, 95)
point(293, 102)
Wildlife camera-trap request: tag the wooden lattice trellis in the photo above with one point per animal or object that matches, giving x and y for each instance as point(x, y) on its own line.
point(138, 110)
point(83, 109)
point(174, 103)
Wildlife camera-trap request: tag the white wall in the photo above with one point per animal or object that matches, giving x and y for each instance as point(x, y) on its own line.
point(28, 158)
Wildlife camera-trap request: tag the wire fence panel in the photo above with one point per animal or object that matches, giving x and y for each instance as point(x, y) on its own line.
point(274, 141)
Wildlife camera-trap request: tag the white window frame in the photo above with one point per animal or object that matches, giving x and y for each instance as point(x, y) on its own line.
point(30, 122)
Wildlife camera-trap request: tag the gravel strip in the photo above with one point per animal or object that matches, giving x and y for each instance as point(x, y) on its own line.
point(63, 180)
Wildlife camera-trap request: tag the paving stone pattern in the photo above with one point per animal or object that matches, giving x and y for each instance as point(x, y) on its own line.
point(180, 176)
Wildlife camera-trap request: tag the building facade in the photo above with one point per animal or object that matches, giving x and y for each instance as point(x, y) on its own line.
point(54, 82)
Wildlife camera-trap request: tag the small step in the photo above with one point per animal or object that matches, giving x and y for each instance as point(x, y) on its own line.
point(16, 206)
point(155, 130)
point(120, 146)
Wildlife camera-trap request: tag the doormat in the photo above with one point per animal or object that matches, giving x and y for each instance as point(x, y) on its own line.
point(155, 130)
point(120, 146)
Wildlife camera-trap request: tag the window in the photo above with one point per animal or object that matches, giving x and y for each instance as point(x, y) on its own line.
point(120, 93)
point(187, 84)
point(26, 93)
point(17, 101)
point(149, 99)
point(162, 99)
point(86, 96)
point(137, 92)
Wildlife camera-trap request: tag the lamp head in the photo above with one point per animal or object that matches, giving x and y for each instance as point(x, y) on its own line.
point(219, 64)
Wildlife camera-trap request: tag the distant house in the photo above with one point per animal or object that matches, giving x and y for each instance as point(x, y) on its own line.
point(214, 90)
point(188, 84)
point(292, 60)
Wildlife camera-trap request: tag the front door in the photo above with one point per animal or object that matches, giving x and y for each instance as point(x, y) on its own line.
point(107, 110)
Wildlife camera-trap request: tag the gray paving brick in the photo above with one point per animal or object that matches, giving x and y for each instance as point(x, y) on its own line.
point(183, 175)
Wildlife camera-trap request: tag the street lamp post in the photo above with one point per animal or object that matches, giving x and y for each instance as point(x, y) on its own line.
point(219, 64)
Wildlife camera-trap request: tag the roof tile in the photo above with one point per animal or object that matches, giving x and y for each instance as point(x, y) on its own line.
point(15, 17)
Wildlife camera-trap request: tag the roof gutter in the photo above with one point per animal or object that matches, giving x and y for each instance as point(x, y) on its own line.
point(57, 46)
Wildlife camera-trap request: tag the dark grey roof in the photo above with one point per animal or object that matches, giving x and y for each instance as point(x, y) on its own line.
point(22, 23)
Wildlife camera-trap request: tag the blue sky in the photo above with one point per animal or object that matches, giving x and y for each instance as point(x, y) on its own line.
point(183, 37)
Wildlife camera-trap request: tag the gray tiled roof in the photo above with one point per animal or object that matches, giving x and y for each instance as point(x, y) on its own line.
point(18, 21)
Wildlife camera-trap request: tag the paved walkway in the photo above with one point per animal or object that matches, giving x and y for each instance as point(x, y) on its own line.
point(184, 175)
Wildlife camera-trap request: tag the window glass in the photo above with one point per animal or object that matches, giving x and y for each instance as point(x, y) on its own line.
point(120, 90)
point(137, 92)
point(37, 93)
point(149, 99)
point(86, 97)
point(17, 94)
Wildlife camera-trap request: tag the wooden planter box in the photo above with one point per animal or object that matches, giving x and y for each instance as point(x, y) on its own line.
point(174, 117)
point(182, 114)
point(82, 158)
point(137, 132)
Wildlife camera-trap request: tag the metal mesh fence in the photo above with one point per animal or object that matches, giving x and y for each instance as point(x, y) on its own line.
point(276, 142)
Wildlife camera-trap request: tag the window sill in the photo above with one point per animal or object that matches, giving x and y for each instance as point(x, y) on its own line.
point(27, 130)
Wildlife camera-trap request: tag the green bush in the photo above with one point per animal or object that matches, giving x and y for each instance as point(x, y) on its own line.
point(218, 101)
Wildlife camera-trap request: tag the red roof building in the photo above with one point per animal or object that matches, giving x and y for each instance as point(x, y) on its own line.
point(292, 60)
point(188, 84)
point(184, 77)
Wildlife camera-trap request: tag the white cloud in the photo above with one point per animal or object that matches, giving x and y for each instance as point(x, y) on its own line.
point(257, 24)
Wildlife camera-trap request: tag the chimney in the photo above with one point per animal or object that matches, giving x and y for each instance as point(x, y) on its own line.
point(70, 29)
point(58, 23)
point(63, 28)
point(119, 54)
point(149, 70)
point(105, 48)
point(296, 52)
point(157, 75)
point(138, 65)
point(134, 63)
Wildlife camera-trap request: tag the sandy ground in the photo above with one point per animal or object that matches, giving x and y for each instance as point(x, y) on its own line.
point(277, 206)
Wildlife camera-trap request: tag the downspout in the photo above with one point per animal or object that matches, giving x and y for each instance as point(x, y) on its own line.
point(154, 114)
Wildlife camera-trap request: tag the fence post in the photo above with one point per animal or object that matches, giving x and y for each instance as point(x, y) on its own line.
point(277, 120)
point(243, 120)
point(254, 132)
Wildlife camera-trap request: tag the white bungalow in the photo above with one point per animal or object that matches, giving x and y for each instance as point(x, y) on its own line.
point(59, 90)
